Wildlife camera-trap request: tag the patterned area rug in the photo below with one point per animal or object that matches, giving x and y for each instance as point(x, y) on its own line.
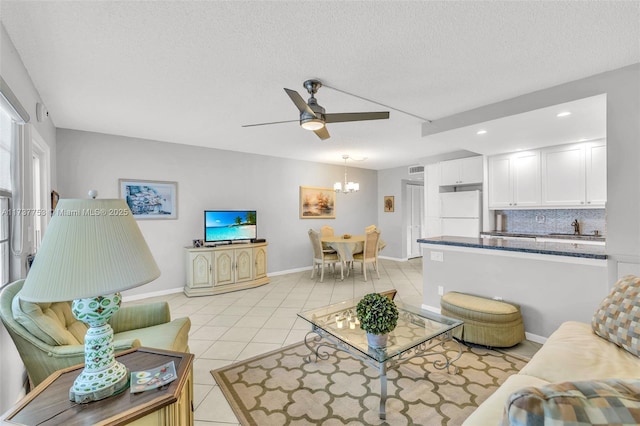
point(279, 388)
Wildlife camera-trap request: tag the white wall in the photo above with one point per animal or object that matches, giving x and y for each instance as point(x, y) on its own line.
point(549, 289)
point(213, 179)
point(17, 78)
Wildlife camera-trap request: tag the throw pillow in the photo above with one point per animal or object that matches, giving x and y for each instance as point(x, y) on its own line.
point(584, 403)
point(618, 317)
point(49, 322)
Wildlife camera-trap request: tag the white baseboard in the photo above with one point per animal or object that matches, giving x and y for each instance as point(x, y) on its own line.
point(535, 338)
point(431, 308)
point(397, 259)
point(151, 294)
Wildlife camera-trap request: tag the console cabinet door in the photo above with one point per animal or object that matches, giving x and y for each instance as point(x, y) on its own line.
point(260, 262)
point(243, 264)
point(224, 267)
point(200, 272)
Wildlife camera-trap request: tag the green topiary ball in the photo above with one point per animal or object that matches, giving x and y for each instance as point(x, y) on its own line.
point(377, 314)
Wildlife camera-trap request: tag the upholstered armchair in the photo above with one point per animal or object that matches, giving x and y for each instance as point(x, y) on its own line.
point(49, 338)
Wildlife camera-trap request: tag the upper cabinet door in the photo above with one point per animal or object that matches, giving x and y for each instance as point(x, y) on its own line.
point(563, 175)
point(449, 172)
point(500, 182)
point(526, 179)
point(596, 171)
point(465, 171)
point(514, 180)
point(471, 170)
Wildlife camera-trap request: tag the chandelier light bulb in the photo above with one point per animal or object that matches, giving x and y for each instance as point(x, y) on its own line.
point(346, 187)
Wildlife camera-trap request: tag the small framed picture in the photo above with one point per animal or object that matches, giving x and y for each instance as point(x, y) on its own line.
point(388, 203)
point(150, 199)
point(198, 243)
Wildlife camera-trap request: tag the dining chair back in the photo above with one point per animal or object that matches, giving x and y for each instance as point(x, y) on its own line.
point(320, 256)
point(370, 228)
point(326, 231)
point(369, 253)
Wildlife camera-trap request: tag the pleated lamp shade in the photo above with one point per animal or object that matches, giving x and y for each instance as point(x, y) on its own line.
point(91, 247)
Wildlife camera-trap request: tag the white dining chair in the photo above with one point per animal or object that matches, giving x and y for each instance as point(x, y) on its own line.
point(320, 257)
point(369, 254)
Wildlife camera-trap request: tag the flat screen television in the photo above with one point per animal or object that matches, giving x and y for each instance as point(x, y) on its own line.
point(229, 225)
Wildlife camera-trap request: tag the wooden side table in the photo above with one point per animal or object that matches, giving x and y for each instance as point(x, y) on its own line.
point(172, 405)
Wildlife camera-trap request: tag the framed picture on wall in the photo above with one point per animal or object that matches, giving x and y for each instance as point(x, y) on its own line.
point(389, 204)
point(150, 199)
point(317, 203)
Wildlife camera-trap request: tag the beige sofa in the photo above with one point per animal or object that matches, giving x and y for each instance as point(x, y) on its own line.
point(573, 353)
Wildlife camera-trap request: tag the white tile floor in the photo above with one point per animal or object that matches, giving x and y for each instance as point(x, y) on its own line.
point(230, 327)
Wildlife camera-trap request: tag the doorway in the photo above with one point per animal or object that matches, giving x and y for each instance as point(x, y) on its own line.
point(414, 217)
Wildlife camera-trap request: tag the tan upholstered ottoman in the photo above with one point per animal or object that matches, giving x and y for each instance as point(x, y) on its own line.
point(487, 322)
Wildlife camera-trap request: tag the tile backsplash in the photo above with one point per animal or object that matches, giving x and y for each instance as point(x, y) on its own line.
point(553, 221)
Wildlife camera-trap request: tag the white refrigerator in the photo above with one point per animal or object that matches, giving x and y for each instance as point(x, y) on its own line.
point(460, 213)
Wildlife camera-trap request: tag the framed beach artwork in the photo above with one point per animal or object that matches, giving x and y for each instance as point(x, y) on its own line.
point(150, 199)
point(317, 203)
point(388, 203)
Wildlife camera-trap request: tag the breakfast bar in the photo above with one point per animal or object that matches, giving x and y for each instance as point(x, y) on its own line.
point(552, 282)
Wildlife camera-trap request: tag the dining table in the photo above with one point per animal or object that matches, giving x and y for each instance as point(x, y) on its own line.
point(347, 247)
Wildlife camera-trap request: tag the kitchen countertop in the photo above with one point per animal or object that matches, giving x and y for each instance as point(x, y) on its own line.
point(589, 251)
point(554, 236)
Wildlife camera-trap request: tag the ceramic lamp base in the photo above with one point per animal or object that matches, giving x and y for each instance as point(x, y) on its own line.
point(102, 376)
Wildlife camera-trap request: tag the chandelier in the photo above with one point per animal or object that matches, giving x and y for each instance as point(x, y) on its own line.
point(346, 187)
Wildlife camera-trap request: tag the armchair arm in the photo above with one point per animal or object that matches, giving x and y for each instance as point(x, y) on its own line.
point(140, 316)
point(77, 351)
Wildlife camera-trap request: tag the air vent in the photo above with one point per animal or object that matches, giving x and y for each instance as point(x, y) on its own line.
point(416, 170)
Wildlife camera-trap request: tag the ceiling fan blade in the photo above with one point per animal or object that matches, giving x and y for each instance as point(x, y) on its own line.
point(300, 103)
point(273, 122)
point(355, 116)
point(322, 133)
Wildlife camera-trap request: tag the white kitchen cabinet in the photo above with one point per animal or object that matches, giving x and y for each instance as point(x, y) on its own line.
point(213, 270)
point(514, 180)
point(596, 173)
point(465, 171)
point(563, 175)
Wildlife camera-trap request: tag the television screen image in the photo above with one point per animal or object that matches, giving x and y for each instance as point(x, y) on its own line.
point(229, 225)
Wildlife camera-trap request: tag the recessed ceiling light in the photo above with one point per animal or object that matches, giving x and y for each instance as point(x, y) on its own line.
point(563, 114)
point(481, 132)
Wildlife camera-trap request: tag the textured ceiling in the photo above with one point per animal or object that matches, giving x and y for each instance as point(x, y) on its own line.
point(193, 72)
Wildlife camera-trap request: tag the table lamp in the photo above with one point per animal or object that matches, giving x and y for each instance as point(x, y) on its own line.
point(92, 250)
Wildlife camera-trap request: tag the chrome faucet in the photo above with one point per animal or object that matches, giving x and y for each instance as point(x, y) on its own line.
point(576, 227)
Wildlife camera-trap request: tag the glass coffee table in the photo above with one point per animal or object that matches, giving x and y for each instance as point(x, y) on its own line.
point(419, 333)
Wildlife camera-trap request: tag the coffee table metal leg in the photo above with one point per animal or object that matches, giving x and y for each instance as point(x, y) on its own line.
point(383, 390)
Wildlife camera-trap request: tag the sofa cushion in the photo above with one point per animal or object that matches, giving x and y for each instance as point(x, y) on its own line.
point(604, 402)
point(618, 317)
point(53, 323)
point(490, 411)
point(574, 352)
